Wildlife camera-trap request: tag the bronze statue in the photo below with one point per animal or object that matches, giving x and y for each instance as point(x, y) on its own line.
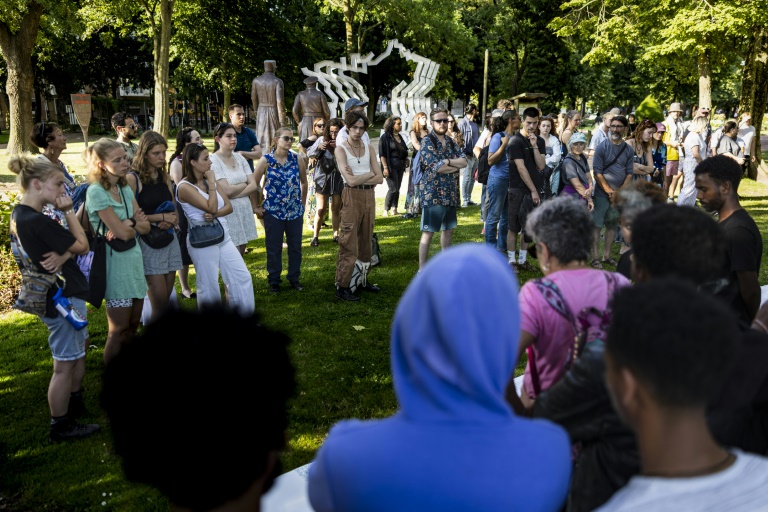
point(310, 103)
point(267, 99)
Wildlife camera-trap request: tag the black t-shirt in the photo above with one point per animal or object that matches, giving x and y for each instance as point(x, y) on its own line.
point(521, 149)
point(745, 252)
point(39, 235)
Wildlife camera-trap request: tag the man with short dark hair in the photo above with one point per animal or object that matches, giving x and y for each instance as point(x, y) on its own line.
point(470, 133)
point(497, 195)
point(247, 143)
point(613, 165)
point(526, 182)
point(126, 130)
point(440, 164)
point(156, 419)
point(661, 376)
point(717, 182)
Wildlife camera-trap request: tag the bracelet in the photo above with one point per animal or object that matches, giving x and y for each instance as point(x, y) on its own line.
point(760, 324)
point(67, 212)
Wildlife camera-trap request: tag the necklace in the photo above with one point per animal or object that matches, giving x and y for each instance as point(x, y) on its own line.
point(727, 461)
point(354, 152)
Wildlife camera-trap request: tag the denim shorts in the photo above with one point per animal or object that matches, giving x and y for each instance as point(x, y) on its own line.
point(438, 218)
point(67, 344)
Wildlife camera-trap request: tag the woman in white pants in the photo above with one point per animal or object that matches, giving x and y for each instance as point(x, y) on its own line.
point(695, 145)
point(201, 202)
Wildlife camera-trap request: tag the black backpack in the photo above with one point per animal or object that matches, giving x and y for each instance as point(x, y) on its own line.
point(483, 167)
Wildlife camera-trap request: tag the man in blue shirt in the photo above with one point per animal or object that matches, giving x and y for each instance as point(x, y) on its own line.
point(497, 215)
point(247, 143)
point(471, 134)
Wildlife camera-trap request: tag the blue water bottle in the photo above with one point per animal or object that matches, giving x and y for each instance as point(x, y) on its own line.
point(67, 310)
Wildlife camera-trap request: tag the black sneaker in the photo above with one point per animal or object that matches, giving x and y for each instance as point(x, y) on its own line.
point(76, 407)
point(274, 288)
point(314, 243)
point(69, 430)
point(296, 285)
point(371, 288)
point(347, 295)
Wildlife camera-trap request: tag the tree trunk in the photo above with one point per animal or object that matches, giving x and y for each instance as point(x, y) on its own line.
point(759, 96)
point(227, 102)
point(705, 79)
point(17, 51)
point(349, 17)
point(162, 45)
point(3, 112)
point(748, 74)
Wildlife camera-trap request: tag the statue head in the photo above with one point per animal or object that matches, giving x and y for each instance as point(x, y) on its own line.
point(269, 66)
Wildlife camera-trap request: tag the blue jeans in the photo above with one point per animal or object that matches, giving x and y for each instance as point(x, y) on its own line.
point(275, 228)
point(483, 205)
point(468, 180)
point(496, 218)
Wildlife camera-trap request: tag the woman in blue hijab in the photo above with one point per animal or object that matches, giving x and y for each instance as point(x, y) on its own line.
point(454, 444)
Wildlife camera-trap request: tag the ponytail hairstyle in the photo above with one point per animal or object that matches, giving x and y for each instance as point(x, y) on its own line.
point(42, 134)
point(191, 152)
point(28, 168)
point(98, 153)
point(147, 142)
point(278, 134)
point(183, 137)
point(218, 132)
point(569, 116)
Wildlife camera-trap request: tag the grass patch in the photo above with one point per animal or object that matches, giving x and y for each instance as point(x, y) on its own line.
point(342, 373)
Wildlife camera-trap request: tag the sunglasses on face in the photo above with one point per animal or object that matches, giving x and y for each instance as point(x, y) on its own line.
point(440, 121)
point(287, 138)
point(319, 126)
point(130, 127)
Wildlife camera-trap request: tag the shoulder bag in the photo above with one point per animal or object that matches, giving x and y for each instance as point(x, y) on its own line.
point(203, 234)
point(93, 264)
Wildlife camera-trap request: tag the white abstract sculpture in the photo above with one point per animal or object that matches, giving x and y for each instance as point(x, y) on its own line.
point(407, 98)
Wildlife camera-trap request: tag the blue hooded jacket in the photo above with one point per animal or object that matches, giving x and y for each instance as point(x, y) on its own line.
point(455, 444)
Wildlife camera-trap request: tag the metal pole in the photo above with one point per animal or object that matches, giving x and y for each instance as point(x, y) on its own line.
point(485, 86)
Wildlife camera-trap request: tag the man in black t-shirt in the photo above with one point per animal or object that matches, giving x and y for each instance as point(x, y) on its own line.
point(526, 153)
point(717, 182)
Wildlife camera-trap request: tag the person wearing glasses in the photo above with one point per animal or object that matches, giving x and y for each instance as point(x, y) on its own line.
point(126, 130)
point(285, 193)
point(328, 186)
point(318, 128)
point(235, 179)
point(247, 143)
point(613, 166)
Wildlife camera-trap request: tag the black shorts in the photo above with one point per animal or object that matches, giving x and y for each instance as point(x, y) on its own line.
point(515, 196)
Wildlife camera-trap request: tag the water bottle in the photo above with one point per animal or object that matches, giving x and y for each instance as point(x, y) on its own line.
point(67, 310)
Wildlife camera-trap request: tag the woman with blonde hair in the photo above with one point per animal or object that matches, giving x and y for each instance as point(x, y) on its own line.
point(113, 212)
point(695, 145)
point(154, 195)
point(572, 123)
point(38, 240)
point(285, 191)
point(318, 129)
point(419, 130)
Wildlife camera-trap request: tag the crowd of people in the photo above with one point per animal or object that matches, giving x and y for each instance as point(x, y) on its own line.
point(615, 412)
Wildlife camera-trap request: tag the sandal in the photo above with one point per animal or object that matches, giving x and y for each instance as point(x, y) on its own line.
point(596, 264)
point(610, 261)
point(314, 243)
point(336, 239)
point(192, 295)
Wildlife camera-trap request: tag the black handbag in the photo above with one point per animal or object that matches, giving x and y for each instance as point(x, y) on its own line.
point(93, 265)
point(326, 164)
point(116, 243)
point(205, 234)
point(157, 238)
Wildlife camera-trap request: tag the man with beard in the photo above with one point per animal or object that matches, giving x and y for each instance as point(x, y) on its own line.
point(717, 183)
point(613, 167)
point(126, 130)
point(441, 161)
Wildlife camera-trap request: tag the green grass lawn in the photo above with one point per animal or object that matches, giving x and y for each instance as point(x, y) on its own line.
point(342, 372)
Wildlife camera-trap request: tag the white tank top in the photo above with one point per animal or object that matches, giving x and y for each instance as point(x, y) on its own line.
point(359, 166)
point(193, 212)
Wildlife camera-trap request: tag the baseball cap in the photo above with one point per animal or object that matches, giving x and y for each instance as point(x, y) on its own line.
point(660, 127)
point(354, 102)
